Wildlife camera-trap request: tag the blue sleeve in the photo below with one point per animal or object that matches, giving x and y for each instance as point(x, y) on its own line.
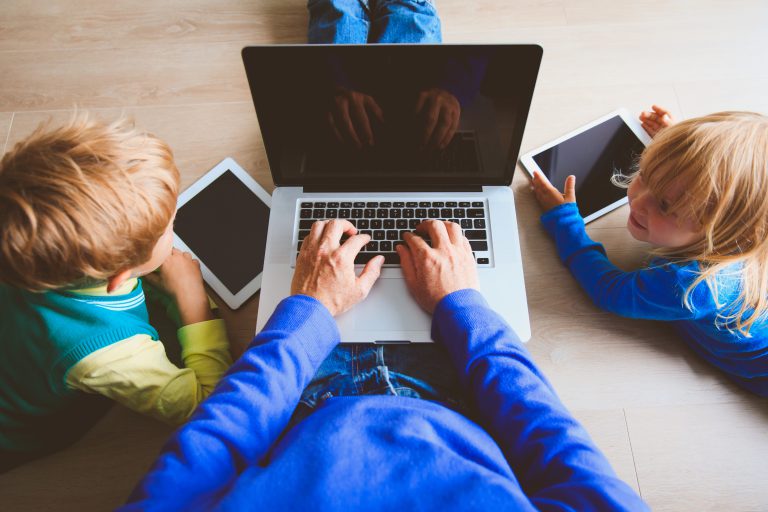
point(236, 426)
point(555, 461)
point(656, 292)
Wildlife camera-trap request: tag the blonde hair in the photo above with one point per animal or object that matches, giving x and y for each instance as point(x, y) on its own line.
point(82, 202)
point(721, 161)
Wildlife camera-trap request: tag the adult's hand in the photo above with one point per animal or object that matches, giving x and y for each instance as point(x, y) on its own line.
point(440, 112)
point(431, 273)
point(350, 117)
point(325, 269)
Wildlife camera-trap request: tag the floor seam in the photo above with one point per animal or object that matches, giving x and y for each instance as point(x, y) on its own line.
point(632, 452)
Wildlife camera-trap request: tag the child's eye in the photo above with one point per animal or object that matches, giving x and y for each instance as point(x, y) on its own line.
point(664, 206)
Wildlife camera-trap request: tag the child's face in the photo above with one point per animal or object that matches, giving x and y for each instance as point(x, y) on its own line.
point(649, 221)
point(160, 253)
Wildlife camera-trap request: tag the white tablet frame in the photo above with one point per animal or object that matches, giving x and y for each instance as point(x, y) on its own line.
point(234, 301)
point(632, 122)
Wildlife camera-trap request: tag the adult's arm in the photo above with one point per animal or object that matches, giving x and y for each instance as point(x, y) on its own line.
point(655, 293)
point(557, 464)
point(240, 421)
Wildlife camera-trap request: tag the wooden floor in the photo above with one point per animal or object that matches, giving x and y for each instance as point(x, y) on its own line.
point(672, 427)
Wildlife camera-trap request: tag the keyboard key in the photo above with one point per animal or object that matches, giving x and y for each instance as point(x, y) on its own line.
point(345, 213)
point(385, 205)
point(475, 213)
point(305, 213)
point(364, 224)
point(467, 223)
point(372, 246)
point(398, 204)
point(373, 204)
point(451, 204)
point(305, 224)
point(425, 204)
point(331, 214)
point(346, 205)
point(478, 245)
point(364, 257)
point(318, 213)
point(464, 204)
point(459, 213)
point(379, 235)
point(359, 204)
point(369, 212)
point(382, 213)
point(433, 213)
point(376, 224)
point(333, 205)
point(408, 213)
point(395, 214)
point(357, 213)
point(446, 212)
point(401, 224)
point(389, 223)
point(320, 204)
point(480, 223)
point(391, 258)
point(306, 205)
point(438, 204)
point(414, 222)
point(303, 233)
point(385, 246)
point(475, 234)
point(366, 232)
point(421, 213)
point(483, 261)
point(477, 204)
point(411, 204)
point(392, 234)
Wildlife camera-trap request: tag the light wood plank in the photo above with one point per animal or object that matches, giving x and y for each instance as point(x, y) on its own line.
point(6, 119)
point(609, 432)
point(702, 457)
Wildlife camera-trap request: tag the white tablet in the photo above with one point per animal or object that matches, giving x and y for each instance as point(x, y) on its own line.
point(222, 220)
point(593, 153)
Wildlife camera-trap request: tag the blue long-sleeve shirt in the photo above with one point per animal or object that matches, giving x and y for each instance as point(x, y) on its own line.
point(658, 291)
point(383, 452)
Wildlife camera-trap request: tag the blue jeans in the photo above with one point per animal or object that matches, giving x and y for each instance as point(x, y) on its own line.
point(373, 21)
point(418, 371)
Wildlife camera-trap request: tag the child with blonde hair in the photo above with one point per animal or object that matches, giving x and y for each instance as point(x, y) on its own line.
point(700, 196)
point(87, 209)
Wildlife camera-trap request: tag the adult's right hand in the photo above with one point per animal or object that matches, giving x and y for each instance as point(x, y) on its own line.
point(325, 269)
point(350, 117)
point(431, 273)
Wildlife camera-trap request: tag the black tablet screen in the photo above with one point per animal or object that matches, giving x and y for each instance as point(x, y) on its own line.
point(593, 156)
point(225, 225)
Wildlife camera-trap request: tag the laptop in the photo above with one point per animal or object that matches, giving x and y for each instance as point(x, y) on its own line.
point(387, 136)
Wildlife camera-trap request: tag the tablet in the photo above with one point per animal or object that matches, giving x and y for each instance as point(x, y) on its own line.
point(593, 153)
point(222, 220)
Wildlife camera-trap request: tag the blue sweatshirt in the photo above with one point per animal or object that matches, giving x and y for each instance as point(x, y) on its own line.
point(658, 292)
point(383, 452)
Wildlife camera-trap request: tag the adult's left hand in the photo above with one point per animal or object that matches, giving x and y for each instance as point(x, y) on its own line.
point(325, 268)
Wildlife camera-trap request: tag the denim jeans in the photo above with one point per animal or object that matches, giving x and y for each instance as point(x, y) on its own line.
point(373, 21)
point(417, 371)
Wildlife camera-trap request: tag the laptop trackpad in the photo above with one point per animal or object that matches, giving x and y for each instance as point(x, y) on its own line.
point(388, 307)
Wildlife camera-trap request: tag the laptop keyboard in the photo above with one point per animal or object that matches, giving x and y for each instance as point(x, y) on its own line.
point(387, 221)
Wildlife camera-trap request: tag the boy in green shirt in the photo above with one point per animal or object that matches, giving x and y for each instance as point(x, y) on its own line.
point(87, 209)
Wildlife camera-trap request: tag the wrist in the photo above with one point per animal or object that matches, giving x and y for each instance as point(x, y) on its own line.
point(194, 311)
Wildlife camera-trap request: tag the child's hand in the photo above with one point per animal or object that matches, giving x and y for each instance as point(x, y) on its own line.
point(656, 119)
point(180, 276)
point(548, 196)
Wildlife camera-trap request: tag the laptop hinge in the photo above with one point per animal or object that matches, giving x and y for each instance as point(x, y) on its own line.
point(425, 188)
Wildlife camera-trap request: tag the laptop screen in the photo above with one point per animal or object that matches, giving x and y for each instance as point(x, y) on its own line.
point(392, 117)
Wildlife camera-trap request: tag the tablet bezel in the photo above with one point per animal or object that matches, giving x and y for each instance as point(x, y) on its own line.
point(233, 300)
point(530, 165)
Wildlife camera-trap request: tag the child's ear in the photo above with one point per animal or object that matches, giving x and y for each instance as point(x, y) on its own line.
point(117, 280)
